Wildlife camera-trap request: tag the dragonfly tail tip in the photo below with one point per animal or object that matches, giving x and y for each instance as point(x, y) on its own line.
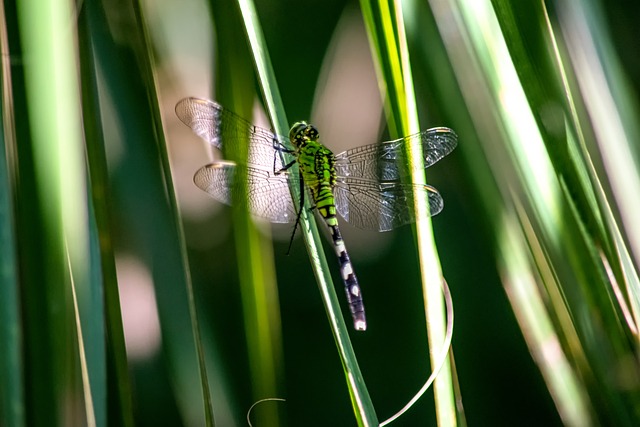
point(360, 325)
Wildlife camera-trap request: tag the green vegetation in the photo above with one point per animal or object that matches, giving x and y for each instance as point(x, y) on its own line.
point(129, 297)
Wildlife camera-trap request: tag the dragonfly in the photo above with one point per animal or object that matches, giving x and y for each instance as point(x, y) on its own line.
point(367, 185)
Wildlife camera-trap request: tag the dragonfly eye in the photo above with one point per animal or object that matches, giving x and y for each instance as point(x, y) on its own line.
point(312, 132)
point(302, 131)
point(296, 134)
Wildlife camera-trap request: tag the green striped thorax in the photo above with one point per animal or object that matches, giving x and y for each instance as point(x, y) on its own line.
point(315, 160)
point(317, 167)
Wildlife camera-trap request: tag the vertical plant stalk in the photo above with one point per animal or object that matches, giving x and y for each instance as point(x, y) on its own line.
point(117, 365)
point(385, 28)
point(177, 221)
point(52, 94)
point(256, 267)
point(12, 404)
point(361, 402)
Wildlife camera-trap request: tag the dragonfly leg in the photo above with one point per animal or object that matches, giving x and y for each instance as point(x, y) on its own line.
point(279, 148)
point(284, 168)
point(295, 227)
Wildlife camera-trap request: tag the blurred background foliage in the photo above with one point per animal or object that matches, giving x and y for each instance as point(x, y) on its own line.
point(539, 239)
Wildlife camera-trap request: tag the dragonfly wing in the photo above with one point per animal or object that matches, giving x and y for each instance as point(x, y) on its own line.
point(223, 128)
point(382, 206)
point(267, 195)
point(387, 161)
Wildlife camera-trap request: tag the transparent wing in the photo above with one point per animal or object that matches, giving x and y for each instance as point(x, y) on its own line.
point(268, 195)
point(382, 206)
point(220, 127)
point(387, 161)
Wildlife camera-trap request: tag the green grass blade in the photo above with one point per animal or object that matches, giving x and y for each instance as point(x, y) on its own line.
point(12, 404)
point(59, 184)
point(256, 269)
point(119, 408)
point(385, 27)
point(176, 235)
point(522, 168)
point(538, 237)
point(559, 246)
point(617, 258)
point(11, 388)
point(361, 402)
point(612, 113)
point(149, 227)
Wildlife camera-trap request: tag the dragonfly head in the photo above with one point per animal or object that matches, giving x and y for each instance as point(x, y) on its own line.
point(302, 131)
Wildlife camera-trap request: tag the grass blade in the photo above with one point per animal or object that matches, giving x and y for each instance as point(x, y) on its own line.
point(254, 250)
point(60, 187)
point(143, 191)
point(558, 239)
point(118, 379)
point(176, 235)
point(388, 41)
point(12, 404)
point(361, 402)
point(612, 116)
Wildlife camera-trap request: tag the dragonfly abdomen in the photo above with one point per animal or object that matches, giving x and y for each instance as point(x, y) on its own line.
point(352, 288)
point(325, 202)
point(326, 206)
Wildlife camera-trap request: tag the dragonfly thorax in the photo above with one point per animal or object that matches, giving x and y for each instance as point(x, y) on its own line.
point(301, 132)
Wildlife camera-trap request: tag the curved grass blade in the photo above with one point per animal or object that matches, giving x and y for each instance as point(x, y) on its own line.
point(445, 351)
